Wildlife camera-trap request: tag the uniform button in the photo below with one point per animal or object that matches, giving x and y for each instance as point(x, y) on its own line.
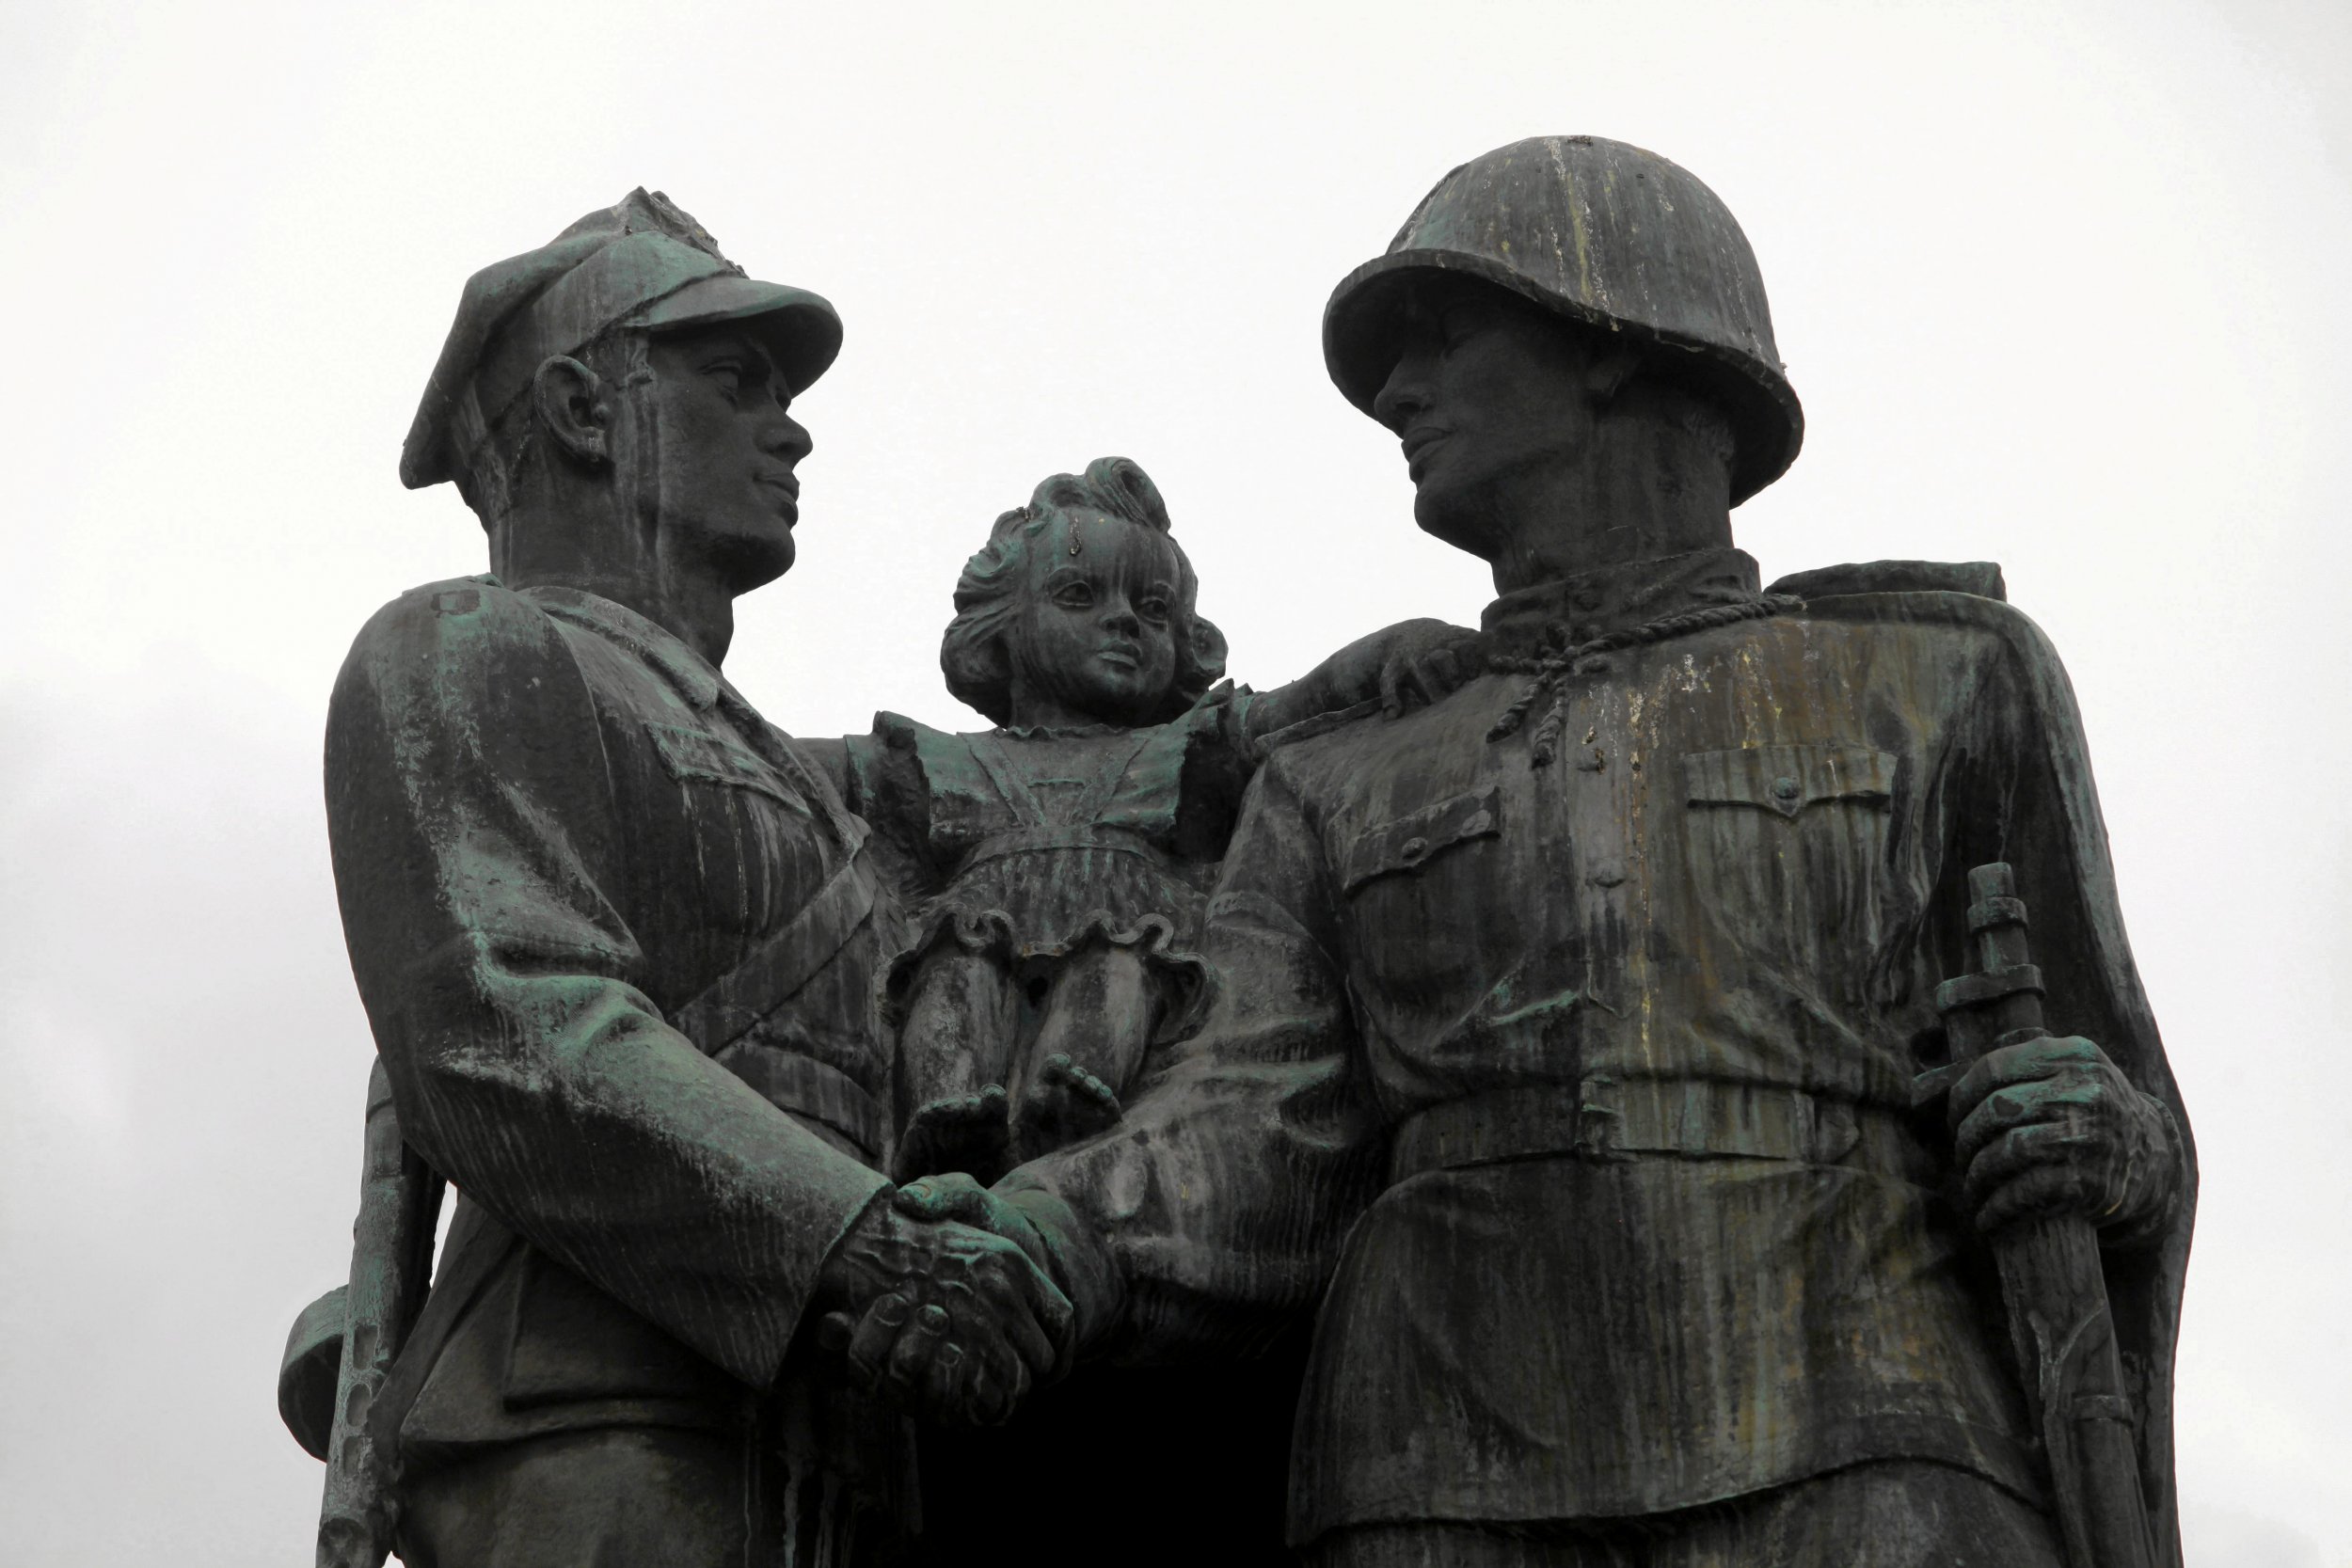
point(1413, 848)
point(1784, 788)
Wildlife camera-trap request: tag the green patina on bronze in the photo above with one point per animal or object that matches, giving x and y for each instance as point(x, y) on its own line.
point(1488, 1100)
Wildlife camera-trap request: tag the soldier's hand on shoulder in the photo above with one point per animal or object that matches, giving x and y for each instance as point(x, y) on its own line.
point(1411, 664)
point(1423, 663)
point(2051, 1126)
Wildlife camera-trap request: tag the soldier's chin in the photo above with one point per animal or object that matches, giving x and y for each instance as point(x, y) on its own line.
point(750, 558)
point(1452, 516)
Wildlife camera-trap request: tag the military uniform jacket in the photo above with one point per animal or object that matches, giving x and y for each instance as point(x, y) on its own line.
point(1580, 1093)
point(554, 827)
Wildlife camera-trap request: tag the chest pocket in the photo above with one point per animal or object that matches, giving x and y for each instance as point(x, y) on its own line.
point(1407, 843)
point(700, 756)
point(1416, 890)
point(1787, 848)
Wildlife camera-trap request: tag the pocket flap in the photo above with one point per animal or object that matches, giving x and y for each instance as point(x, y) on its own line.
point(701, 757)
point(1788, 779)
point(1403, 843)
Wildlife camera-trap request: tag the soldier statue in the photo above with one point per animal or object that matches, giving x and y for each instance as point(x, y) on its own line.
point(618, 944)
point(622, 944)
point(1575, 1054)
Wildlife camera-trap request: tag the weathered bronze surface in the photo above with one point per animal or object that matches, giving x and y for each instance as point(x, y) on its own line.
point(1496, 1082)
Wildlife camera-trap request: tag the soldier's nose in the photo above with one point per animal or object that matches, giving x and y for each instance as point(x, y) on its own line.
point(788, 437)
point(1403, 395)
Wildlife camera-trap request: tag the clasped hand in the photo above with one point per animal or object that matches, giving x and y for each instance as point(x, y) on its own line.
point(2050, 1126)
point(942, 1302)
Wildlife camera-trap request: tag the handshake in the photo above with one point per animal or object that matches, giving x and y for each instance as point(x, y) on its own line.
point(942, 1300)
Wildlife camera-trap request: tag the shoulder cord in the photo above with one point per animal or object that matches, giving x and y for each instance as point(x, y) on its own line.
point(1585, 659)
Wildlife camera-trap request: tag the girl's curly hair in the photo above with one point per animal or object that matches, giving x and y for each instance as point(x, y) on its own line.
point(974, 655)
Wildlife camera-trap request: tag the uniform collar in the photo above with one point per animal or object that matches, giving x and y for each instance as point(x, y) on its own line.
point(696, 679)
point(1584, 605)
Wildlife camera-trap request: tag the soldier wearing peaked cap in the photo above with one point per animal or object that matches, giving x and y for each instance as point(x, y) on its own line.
point(1566, 1032)
point(616, 938)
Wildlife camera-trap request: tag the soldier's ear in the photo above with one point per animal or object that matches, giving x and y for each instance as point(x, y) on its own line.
point(1606, 375)
point(571, 404)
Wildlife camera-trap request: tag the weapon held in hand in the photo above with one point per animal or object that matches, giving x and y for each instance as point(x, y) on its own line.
point(392, 1260)
point(2050, 1273)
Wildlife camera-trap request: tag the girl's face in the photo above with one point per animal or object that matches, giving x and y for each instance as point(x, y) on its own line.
point(1096, 639)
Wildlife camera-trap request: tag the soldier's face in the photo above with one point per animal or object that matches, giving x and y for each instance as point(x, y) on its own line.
point(1097, 630)
point(1488, 394)
point(723, 450)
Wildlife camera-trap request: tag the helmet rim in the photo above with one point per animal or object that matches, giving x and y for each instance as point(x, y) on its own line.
point(1766, 418)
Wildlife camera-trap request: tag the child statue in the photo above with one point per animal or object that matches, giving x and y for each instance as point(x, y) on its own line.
point(1065, 853)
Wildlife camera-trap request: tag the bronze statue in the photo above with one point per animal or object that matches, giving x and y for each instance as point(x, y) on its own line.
point(1061, 861)
point(1609, 1041)
point(1063, 856)
point(618, 941)
point(1575, 1053)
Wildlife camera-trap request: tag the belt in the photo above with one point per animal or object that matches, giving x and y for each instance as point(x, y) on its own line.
point(1604, 1119)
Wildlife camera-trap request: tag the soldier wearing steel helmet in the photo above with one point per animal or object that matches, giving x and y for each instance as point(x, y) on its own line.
point(618, 941)
point(1568, 1032)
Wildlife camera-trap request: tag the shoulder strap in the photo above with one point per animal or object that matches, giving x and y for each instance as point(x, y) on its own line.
point(774, 971)
point(1102, 786)
point(1013, 789)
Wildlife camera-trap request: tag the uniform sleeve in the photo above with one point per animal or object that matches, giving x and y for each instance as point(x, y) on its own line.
point(1214, 1211)
point(832, 758)
point(475, 839)
point(2029, 800)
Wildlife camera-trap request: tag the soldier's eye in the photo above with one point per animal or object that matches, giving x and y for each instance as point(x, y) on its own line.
point(1459, 325)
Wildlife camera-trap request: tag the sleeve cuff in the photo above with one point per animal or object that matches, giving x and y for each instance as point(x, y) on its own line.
point(1083, 1265)
point(2156, 1188)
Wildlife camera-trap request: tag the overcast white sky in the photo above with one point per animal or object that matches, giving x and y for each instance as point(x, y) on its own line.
point(2063, 285)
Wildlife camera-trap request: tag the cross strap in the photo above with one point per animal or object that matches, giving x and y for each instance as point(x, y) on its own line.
point(776, 970)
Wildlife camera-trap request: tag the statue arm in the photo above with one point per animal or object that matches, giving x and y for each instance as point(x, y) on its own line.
point(832, 757)
point(473, 835)
point(1216, 1212)
point(2031, 800)
point(2027, 797)
point(1398, 667)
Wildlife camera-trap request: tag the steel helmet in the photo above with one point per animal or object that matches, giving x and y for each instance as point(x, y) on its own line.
point(1607, 234)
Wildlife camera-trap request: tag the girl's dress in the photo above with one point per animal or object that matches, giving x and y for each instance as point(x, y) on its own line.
point(1033, 845)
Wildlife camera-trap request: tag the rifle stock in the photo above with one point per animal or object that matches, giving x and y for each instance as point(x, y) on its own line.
point(392, 1263)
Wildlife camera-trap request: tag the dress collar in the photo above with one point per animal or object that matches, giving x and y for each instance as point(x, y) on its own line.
point(1589, 604)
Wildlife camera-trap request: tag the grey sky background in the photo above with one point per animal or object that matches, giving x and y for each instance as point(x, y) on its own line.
point(2063, 285)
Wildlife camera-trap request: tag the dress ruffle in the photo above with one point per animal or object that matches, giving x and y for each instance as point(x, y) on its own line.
point(952, 922)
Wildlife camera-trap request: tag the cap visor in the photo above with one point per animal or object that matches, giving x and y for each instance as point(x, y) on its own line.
point(801, 328)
